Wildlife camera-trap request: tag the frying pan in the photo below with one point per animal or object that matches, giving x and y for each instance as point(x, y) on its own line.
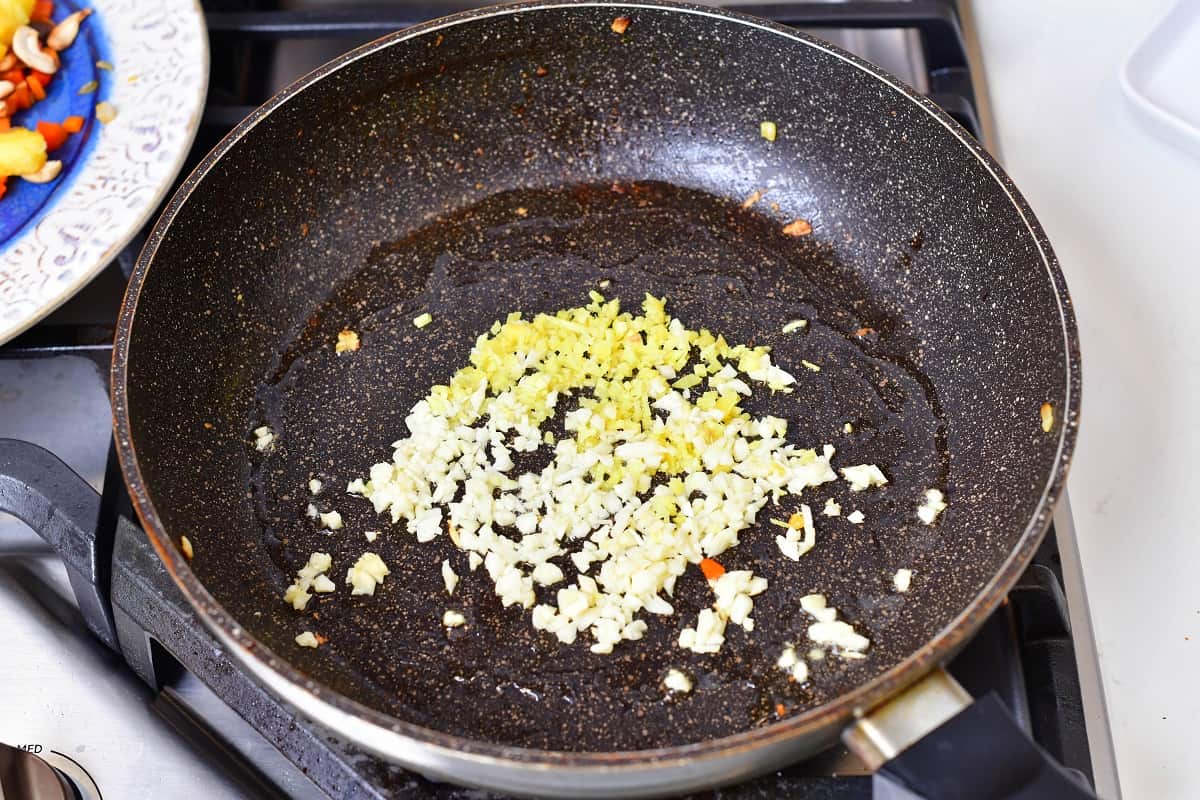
point(513, 158)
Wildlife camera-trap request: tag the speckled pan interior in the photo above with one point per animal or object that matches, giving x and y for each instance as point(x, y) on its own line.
point(512, 162)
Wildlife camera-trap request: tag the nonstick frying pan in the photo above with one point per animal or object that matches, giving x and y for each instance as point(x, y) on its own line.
point(513, 158)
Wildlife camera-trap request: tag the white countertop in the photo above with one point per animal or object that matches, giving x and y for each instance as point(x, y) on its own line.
point(1122, 209)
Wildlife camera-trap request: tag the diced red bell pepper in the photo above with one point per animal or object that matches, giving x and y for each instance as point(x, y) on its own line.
point(20, 99)
point(73, 124)
point(54, 134)
point(43, 11)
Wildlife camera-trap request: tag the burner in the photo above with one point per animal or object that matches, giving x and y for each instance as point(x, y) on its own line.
point(1025, 653)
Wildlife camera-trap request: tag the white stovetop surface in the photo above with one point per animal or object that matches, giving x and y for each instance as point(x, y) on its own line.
point(1122, 209)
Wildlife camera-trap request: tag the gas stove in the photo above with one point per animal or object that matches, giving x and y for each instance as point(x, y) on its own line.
point(170, 716)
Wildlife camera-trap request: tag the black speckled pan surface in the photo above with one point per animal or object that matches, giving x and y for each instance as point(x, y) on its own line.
point(391, 186)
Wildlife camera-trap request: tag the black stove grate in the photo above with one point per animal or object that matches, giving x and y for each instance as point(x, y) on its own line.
point(1024, 653)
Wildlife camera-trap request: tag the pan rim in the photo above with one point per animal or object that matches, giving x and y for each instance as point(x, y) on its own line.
point(325, 704)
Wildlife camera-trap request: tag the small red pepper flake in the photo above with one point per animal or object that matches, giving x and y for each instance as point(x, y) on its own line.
point(780, 709)
point(621, 24)
point(541, 72)
point(864, 331)
point(711, 569)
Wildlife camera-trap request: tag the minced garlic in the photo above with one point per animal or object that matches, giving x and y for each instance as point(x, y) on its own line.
point(264, 438)
point(829, 630)
point(421, 320)
point(838, 634)
point(367, 573)
point(791, 544)
point(815, 606)
point(449, 576)
point(659, 468)
point(331, 520)
point(371, 535)
point(453, 619)
point(863, 476)
point(1047, 414)
point(832, 508)
point(677, 681)
point(347, 342)
point(314, 486)
point(856, 517)
point(307, 639)
point(902, 580)
point(298, 593)
point(795, 325)
point(933, 505)
point(792, 664)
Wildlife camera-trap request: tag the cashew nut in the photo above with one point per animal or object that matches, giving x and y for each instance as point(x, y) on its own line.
point(6, 88)
point(8, 62)
point(64, 33)
point(26, 47)
point(47, 173)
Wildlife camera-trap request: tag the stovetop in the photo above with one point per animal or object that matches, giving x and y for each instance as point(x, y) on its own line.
point(196, 722)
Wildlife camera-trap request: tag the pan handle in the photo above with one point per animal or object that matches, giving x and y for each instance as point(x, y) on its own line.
point(935, 742)
point(40, 490)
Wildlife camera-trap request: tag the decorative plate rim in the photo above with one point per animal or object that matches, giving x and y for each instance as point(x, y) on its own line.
point(35, 256)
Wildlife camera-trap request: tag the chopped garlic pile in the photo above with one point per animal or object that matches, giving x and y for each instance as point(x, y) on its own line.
point(660, 467)
point(829, 630)
point(934, 504)
point(367, 573)
point(310, 576)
